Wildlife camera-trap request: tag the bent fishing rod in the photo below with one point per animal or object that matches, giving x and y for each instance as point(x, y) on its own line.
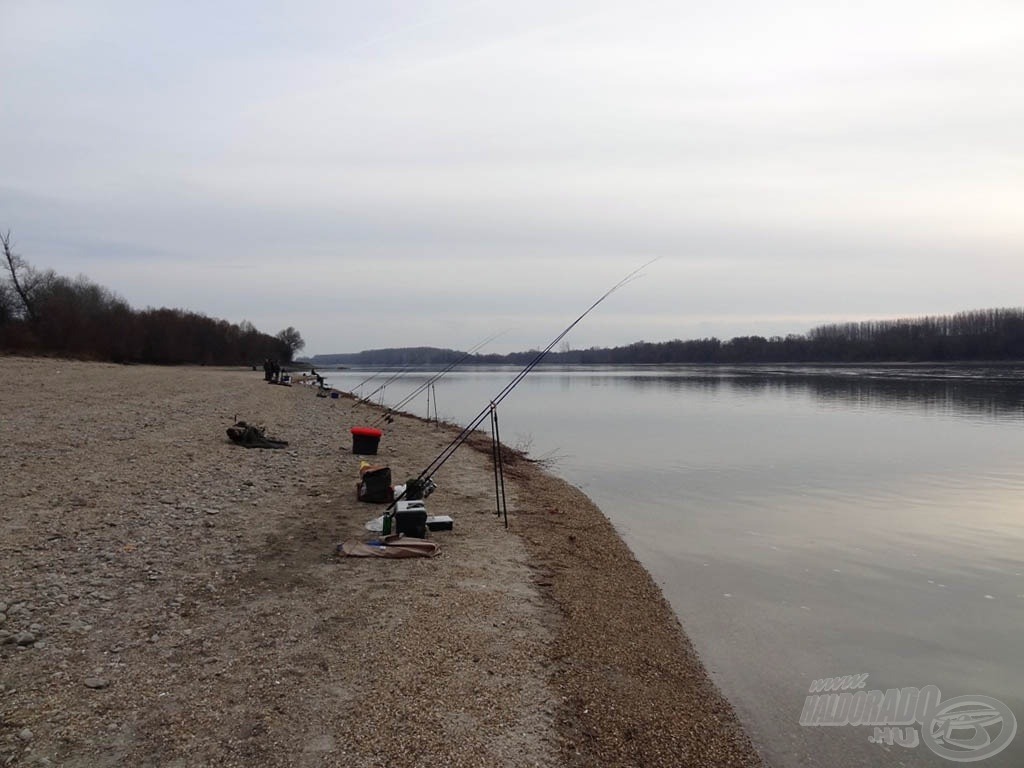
point(432, 380)
point(447, 453)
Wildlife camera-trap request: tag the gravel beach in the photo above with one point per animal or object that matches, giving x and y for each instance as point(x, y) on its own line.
point(169, 598)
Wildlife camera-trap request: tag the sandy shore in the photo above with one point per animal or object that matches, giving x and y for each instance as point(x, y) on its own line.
point(168, 598)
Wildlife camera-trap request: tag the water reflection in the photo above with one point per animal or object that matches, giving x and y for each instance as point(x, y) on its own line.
point(804, 521)
point(977, 392)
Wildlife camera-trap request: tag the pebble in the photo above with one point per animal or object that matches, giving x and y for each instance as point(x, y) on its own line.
point(25, 734)
point(144, 524)
point(24, 638)
point(323, 743)
point(96, 683)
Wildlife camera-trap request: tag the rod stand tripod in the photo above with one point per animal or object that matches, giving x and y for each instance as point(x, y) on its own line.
point(500, 504)
point(432, 394)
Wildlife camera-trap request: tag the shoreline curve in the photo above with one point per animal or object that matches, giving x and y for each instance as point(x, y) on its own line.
point(171, 598)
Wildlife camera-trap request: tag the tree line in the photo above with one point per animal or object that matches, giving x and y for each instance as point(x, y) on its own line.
point(397, 356)
point(977, 335)
point(42, 312)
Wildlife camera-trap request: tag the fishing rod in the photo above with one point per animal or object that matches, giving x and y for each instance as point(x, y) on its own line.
point(386, 416)
point(367, 380)
point(398, 375)
point(448, 451)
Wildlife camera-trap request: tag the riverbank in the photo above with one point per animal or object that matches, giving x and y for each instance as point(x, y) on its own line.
point(171, 598)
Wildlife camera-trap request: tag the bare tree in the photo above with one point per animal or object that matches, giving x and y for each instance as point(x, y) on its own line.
point(7, 302)
point(27, 281)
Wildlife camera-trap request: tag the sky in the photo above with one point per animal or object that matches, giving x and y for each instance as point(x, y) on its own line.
point(383, 174)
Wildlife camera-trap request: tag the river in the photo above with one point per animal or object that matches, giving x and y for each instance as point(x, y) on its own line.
point(804, 523)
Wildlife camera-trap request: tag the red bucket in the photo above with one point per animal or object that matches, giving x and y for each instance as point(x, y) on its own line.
point(365, 440)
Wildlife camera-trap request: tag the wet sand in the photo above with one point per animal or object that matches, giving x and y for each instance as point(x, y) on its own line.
point(170, 598)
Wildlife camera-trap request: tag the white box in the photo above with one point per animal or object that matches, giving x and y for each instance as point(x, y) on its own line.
point(410, 506)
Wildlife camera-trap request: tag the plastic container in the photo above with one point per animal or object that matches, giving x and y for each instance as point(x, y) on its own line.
point(365, 440)
point(410, 506)
point(412, 523)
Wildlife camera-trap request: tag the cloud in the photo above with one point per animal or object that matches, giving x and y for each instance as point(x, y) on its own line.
point(377, 175)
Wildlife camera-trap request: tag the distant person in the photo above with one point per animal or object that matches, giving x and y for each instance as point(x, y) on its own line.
point(267, 369)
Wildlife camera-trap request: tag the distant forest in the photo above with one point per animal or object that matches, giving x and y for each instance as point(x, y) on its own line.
point(978, 335)
point(43, 313)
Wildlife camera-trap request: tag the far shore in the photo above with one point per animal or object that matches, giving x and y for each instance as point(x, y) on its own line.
point(170, 598)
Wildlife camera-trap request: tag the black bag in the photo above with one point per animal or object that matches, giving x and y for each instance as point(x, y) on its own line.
point(375, 485)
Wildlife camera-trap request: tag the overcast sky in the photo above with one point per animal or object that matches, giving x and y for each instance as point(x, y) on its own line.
point(430, 173)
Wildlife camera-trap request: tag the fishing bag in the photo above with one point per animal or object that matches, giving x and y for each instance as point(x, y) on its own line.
point(375, 485)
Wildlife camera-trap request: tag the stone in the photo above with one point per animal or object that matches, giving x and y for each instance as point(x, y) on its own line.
point(324, 743)
point(25, 734)
point(24, 638)
point(96, 683)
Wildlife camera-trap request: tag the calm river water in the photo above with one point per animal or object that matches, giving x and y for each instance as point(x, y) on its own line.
point(805, 523)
